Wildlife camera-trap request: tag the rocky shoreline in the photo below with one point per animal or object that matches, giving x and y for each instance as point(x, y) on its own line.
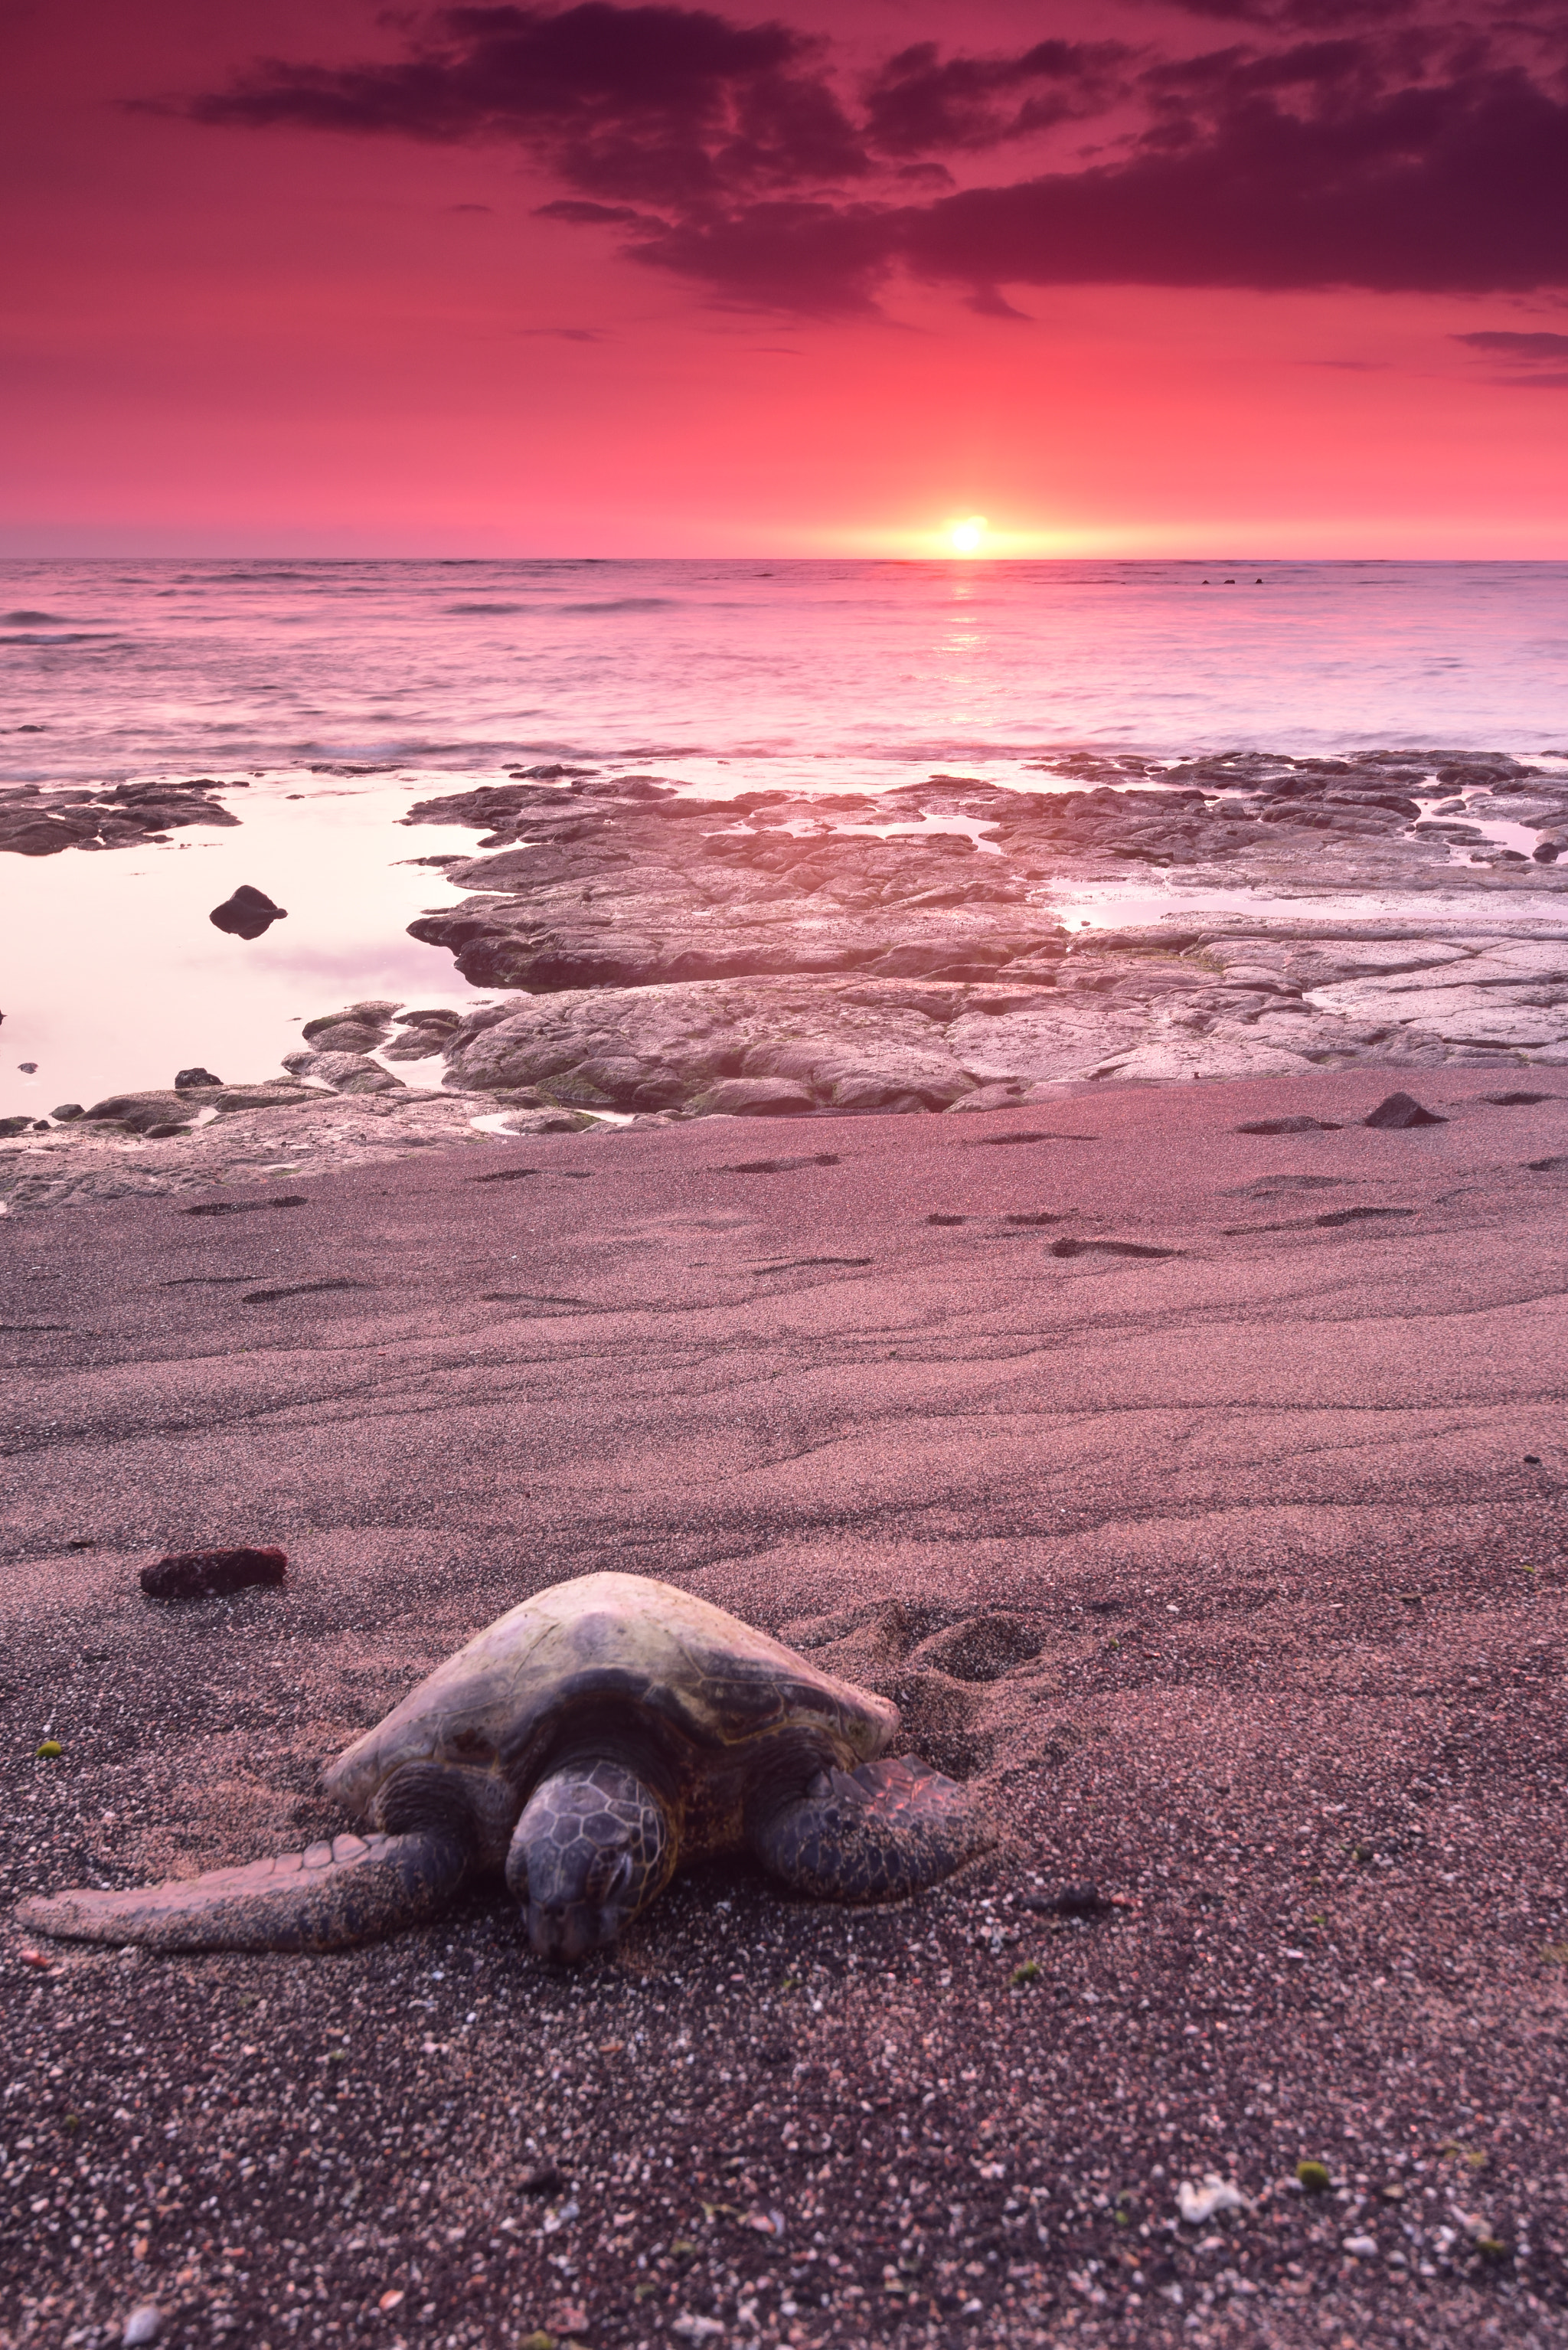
point(660, 956)
point(38, 821)
point(630, 882)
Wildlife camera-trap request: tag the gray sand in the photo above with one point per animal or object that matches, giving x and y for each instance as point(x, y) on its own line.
point(1223, 1573)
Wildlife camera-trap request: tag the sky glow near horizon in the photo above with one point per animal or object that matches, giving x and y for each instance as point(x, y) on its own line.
point(1269, 276)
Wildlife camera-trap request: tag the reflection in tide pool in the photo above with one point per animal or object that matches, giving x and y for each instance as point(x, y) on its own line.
point(115, 977)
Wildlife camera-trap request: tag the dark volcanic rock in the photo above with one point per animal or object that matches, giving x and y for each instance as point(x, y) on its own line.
point(156, 1114)
point(210, 1573)
point(195, 1080)
point(362, 1028)
point(1397, 1111)
point(423, 1034)
point(247, 914)
point(754, 1098)
point(346, 1073)
point(35, 822)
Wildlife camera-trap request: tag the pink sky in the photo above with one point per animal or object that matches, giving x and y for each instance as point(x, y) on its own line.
point(1124, 278)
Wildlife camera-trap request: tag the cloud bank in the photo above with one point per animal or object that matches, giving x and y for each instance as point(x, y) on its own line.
point(1371, 144)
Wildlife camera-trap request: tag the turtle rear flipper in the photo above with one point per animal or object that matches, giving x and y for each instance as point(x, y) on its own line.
point(873, 1834)
point(351, 1890)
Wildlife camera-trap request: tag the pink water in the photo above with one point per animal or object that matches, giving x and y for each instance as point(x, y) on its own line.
point(721, 676)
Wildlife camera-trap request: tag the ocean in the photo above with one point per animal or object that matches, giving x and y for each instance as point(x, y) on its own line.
point(335, 693)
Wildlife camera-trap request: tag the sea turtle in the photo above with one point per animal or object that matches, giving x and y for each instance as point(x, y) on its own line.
point(587, 1745)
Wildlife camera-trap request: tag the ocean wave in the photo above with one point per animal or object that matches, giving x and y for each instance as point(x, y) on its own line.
point(78, 636)
point(486, 610)
point(32, 620)
point(623, 604)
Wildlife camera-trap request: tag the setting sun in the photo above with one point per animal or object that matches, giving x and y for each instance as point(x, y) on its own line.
point(967, 537)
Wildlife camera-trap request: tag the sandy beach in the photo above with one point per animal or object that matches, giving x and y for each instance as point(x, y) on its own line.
point(783, 978)
point(1196, 1494)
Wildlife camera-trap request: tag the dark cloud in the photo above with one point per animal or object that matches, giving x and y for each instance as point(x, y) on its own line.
point(922, 102)
point(821, 259)
point(1365, 146)
point(660, 105)
point(1302, 16)
point(1528, 347)
point(580, 213)
point(1440, 188)
point(1535, 362)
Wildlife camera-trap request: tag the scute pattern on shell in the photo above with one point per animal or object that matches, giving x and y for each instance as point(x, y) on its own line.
point(706, 1679)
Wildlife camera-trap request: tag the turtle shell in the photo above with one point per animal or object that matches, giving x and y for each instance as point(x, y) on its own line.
point(703, 1684)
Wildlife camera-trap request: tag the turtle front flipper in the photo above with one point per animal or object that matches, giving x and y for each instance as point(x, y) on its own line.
point(873, 1834)
point(353, 1889)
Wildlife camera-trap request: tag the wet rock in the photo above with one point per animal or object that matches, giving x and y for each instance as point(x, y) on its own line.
point(9, 1126)
point(550, 1121)
point(754, 1098)
point(210, 1573)
point(1397, 1111)
point(35, 822)
point(43, 831)
point(155, 1115)
point(65, 1112)
point(423, 1034)
point(247, 914)
point(346, 1073)
point(195, 1080)
point(314, 1131)
point(264, 1097)
point(362, 1028)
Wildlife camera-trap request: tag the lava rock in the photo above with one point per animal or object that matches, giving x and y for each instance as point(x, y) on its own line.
point(1399, 1110)
point(15, 1125)
point(210, 1573)
point(359, 1029)
point(247, 914)
point(755, 1098)
point(155, 1115)
point(34, 831)
point(346, 1073)
point(197, 1081)
point(65, 1112)
point(423, 1033)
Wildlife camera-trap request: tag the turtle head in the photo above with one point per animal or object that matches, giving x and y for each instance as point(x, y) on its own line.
point(593, 1847)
